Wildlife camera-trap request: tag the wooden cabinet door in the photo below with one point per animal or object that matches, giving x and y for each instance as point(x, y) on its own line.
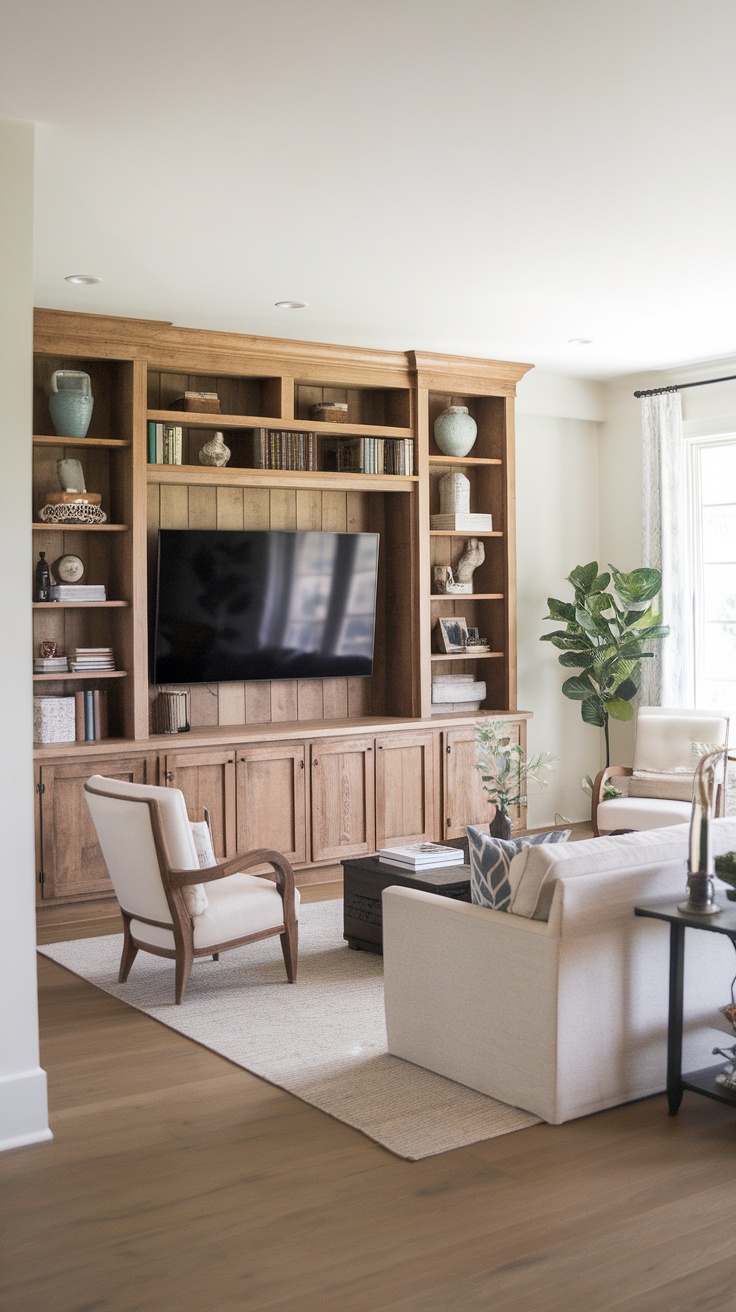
point(72, 863)
point(272, 799)
point(407, 804)
point(207, 779)
point(464, 802)
point(343, 798)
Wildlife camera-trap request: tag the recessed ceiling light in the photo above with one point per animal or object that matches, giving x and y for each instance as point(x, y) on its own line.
point(580, 341)
point(291, 305)
point(82, 279)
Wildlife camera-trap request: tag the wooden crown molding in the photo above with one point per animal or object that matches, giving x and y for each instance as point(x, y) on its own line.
point(442, 372)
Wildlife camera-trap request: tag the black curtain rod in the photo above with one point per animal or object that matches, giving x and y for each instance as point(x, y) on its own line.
point(679, 387)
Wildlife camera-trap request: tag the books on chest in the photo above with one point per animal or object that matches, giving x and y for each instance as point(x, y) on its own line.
point(421, 856)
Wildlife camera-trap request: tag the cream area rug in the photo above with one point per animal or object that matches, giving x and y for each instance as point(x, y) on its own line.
point(323, 1038)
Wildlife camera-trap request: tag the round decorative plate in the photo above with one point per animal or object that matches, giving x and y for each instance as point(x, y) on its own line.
point(68, 569)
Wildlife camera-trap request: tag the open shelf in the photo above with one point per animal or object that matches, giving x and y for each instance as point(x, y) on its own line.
point(192, 419)
point(465, 533)
point(79, 674)
point(80, 441)
point(464, 460)
point(77, 605)
point(80, 528)
point(208, 476)
point(466, 656)
point(465, 596)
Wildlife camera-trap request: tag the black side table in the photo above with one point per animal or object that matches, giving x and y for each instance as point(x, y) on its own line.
point(702, 1081)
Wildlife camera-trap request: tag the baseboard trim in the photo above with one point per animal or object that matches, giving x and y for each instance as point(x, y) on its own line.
point(24, 1117)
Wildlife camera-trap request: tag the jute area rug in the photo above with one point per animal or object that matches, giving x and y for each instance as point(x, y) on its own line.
point(323, 1039)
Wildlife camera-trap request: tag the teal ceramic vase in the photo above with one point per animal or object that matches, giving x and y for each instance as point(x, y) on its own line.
point(71, 402)
point(455, 431)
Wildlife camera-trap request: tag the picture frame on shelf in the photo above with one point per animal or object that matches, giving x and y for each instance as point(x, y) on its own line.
point(452, 631)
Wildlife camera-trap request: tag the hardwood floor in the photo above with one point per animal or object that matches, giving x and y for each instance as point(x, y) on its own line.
point(178, 1181)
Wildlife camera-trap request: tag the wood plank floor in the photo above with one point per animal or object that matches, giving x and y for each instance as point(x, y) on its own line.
point(178, 1181)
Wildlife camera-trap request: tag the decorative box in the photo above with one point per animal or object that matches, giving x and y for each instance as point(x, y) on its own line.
point(202, 403)
point(330, 412)
point(54, 720)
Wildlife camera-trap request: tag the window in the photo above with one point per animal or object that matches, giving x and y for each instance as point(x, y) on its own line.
point(713, 539)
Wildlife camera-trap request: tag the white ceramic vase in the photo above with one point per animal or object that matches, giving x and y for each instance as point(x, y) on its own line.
point(215, 452)
point(455, 431)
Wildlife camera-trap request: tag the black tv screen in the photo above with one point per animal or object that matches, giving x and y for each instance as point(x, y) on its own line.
point(238, 604)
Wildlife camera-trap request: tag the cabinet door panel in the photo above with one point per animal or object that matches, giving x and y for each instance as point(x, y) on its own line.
point(343, 798)
point(271, 800)
point(407, 809)
point(72, 862)
point(465, 802)
point(207, 779)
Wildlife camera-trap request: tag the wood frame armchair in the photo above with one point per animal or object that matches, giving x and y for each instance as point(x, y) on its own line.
point(150, 883)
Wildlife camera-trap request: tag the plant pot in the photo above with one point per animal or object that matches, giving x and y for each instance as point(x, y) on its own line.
point(500, 826)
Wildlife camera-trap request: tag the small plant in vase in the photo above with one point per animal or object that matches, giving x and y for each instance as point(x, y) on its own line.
point(505, 771)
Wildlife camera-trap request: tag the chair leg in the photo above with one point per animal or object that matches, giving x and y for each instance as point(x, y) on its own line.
point(129, 954)
point(290, 949)
point(183, 967)
point(215, 956)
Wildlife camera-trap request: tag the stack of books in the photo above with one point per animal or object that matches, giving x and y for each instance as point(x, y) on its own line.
point(276, 449)
point(376, 455)
point(78, 592)
point(50, 665)
point(87, 659)
point(90, 709)
point(468, 522)
point(170, 711)
point(164, 443)
point(422, 856)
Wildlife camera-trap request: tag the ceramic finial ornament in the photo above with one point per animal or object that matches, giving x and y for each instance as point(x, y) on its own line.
point(215, 452)
point(71, 476)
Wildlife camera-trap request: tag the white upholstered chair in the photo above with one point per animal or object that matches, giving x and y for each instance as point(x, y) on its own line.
point(170, 905)
point(658, 788)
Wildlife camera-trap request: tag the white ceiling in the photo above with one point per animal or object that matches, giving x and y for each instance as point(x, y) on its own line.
point(468, 176)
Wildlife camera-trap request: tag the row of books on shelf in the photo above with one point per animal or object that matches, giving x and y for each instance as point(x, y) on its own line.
point(80, 718)
point(274, 448)
point(164, 443)
point(376, 455)
point(79, 660)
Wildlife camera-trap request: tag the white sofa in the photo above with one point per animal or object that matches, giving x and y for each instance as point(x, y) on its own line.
point(566, 1016)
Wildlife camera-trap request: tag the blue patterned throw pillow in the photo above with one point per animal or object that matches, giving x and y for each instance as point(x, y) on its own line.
point(490, 859)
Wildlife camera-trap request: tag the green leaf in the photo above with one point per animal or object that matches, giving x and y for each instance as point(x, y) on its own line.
point(581, 660)
point(656, 631)
point(620, 710)
point(628, 689)
point(637, 586)
point(592, 712)
point(585, 620)
point(560, 610)
point(578, 687)
point(600, 583)
point(582, 578)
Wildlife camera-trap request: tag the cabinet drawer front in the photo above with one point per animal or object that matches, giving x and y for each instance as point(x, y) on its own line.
point(272, 810)
point(406, 800)
point(72, 861)
point(343, 798)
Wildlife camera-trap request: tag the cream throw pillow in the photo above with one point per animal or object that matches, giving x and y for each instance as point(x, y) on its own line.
point(195, 895)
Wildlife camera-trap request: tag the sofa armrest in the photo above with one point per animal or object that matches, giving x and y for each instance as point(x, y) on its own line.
point(472, 995)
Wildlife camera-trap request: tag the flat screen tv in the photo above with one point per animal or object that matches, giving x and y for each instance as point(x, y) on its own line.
point(237, 604)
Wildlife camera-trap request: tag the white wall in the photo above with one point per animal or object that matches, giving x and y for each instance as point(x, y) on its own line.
point(23, 1105)
point(557, 519)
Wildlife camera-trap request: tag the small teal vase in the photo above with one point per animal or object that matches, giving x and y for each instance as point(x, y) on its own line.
point(71, 402)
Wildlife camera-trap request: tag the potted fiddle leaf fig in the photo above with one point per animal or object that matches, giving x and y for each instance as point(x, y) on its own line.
point(505, 771)
point(606, 629)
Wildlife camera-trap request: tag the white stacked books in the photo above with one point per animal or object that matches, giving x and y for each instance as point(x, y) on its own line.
point(465, 522)
point(78, 592)
point(456, 693)
point(421, 856)
point(86, 659)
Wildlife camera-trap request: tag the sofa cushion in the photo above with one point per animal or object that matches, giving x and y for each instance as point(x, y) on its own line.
point(641, 813)
point(490, 860)
point(649, 783)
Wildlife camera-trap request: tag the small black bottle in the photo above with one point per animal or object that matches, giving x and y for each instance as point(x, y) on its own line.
point(42, 590)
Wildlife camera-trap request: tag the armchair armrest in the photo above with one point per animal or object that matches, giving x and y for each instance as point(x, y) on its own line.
point(610, 772)
point(282, 874)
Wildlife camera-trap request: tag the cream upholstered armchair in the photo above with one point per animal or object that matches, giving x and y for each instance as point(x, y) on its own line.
point(658, 788)
point(170, 905)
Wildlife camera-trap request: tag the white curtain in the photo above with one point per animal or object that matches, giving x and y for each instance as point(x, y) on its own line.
point(667, 679)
